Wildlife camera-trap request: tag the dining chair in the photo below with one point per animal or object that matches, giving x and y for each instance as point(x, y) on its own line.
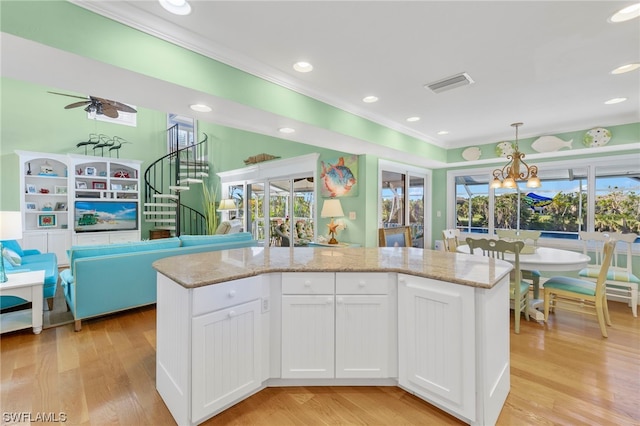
point(525, 235)
point(575, 294)
point(451, 239)
point(518, 289)
point(621, 281)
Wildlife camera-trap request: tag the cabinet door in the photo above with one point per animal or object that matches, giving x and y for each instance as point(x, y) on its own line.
point(226, 358)
point(361, 336)
point(307, 337)
point(59, 242)
point(436, 342)
point(35, 241)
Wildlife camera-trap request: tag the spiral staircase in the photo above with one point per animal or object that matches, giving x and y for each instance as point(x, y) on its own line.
point(166, 179)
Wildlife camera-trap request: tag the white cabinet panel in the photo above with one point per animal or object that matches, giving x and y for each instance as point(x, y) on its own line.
point(437, 343)
point(361, 336)
point(56, 242)
point(226, 357)
point(307, 336)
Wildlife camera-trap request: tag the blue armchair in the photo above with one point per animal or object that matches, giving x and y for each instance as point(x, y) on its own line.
point(18, 260)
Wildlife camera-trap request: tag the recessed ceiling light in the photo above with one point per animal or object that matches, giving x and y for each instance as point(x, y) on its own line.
point(615, 101)
point(303, 66)
point(286, 130)
point(626, 14)
point(370, 99)
point(443, 132)
point(626, 68)
point(412, 119)
point(177, 7)
point(200, 107)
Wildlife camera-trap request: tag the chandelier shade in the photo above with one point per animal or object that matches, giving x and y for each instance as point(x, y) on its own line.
point(515, 170)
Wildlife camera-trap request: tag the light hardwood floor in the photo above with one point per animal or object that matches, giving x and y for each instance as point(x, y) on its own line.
point(564, 373)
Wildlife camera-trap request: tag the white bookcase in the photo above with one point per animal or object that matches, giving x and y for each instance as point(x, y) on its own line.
point(52, 183)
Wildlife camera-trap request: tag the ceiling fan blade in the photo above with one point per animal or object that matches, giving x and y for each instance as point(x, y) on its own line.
point(109, 111)
point(117, 105)
point(71, 96)
point(77, 104)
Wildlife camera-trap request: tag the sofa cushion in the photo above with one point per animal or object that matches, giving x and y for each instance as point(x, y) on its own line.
point(79, 252)
point(11, 256)
point(13, 245)
point(199, 240)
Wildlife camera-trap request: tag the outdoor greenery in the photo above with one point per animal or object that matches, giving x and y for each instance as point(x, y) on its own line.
point(615, 211)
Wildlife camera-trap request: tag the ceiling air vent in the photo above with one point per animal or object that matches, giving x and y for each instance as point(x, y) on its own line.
point(449, 83)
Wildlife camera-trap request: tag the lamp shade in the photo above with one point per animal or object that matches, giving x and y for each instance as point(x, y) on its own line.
point(332, 208)
point(227, 204)
point(10, 226)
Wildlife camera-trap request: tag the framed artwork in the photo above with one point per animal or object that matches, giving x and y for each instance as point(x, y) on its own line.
point(90, 171)
point(99, 185)
point(60, 190)
point(81, 185)
point(394, 237)
point(61, 206)
point(32, 206)
point(339, 177)
point(47, 221)
point(31, 188)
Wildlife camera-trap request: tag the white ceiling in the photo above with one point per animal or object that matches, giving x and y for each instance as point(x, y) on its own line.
point(545, 63)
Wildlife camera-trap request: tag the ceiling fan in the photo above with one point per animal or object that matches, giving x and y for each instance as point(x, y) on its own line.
point(98, 106)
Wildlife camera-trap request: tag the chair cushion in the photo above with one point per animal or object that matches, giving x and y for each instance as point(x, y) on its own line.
point(223, 228)
point(612, 275)
point(575, 285)
point(524, 287)
point(533, 273)
point(11, 256)
point(45, 261)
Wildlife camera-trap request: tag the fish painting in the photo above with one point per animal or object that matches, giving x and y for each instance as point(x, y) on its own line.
point(338, 179)
point(550, 144)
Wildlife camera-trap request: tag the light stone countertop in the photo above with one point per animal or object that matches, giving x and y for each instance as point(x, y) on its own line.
point(202, 269)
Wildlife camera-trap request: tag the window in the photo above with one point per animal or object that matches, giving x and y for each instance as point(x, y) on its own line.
point(576, 195)
point(402, 199)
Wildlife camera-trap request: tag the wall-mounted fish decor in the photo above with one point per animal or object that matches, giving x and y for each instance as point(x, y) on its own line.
point(596, 137)
point(550, 144)
point(339, 179)
point(259, 158)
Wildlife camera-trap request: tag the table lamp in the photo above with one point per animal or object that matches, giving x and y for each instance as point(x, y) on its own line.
point(332, 208)
point(227, 204)
point(10, 229)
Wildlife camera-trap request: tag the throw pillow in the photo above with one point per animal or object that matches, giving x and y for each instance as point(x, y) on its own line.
point(12, 257)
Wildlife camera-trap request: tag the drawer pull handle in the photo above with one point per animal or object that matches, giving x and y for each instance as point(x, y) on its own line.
point(232, 293)
point(307, 283)
point(232, 314)
point(362, 283)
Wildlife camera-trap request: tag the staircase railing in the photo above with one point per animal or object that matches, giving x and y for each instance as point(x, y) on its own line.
point(166, 177)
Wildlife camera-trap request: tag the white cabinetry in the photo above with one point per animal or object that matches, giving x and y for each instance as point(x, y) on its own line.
point(105, 195)
point(44, 203)
point(337, 326)
point(213, 358)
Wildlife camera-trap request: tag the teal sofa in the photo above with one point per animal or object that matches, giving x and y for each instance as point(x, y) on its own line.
point(16, 259)
point(111, 278)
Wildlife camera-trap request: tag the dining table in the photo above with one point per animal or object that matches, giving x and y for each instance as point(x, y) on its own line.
point(545, 259)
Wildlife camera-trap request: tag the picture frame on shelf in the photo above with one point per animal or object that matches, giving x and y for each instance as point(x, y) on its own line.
point(99, 185)
point(31, 206)
point(81, 185)
point(90, 171)
point(47, 221)
point(60, 190)
point(61, 206)
point(116, 187)
point(31, 189)
point(132, 187)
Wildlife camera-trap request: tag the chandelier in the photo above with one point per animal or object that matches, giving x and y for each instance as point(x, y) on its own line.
point(512, 172)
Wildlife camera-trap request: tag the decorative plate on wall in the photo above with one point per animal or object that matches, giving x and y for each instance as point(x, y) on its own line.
point(471, 153)
point(596, 137)
point(504, 148)
point(550, 144)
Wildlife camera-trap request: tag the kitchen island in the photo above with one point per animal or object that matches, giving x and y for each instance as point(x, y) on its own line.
point(230, 323)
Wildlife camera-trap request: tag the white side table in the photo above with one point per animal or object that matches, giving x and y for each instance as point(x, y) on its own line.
point(28, 286)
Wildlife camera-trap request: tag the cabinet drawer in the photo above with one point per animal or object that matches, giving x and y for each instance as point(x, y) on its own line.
point(124, 237)
point(308, 283)
point(219, 296)
point(92, 239)
point(362, 283)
